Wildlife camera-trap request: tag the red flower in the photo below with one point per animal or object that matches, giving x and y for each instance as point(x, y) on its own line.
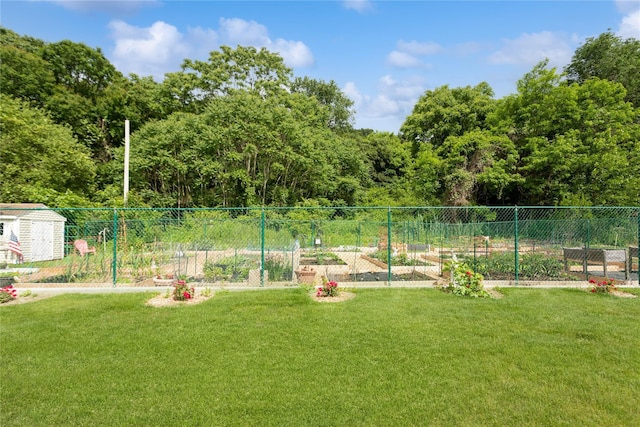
point(468, 273)
point(186, 295)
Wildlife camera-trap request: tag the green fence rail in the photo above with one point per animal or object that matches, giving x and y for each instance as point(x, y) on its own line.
point(289, 246)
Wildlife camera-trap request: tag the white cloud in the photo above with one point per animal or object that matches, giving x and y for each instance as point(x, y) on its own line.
point(406, 56)
point(201, 41)
point(241, 32)
point(403, 60)
point(382, 106)
point(237, 31)
point(529, 49)
point(351, 90)
point(416, 48)
point(358, 5)
point(147, 51)
point(393, 102)
point(294, 54)
point(630, 26)
point(161, 48)
point(408, 89)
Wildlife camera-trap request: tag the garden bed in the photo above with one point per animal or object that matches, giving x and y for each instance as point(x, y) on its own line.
point(381, 276)
point(321, 258)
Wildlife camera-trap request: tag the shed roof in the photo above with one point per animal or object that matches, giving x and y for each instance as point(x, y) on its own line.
point(21, 209)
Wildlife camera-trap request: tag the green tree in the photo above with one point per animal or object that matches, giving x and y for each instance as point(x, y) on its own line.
point(577, 143)
point(608, 57)
point(478, 167)
point(81, 69)
point(445, 112)
point(227, 70)
point(25, 74)
point(40, 160)
point(340, 116)
point(245, 149)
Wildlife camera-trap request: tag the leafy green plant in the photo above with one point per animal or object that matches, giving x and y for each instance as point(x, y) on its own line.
point(530, 266)
point(465, 282)
point(232, 268)
point(277, 269)
point(400, 259)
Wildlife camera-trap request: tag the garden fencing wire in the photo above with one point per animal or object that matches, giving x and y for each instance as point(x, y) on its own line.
point(351, 245)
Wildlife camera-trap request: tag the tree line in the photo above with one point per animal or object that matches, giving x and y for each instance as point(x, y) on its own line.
point(240, 129)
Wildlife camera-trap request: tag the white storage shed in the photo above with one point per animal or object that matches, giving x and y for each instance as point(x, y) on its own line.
point(30, 232)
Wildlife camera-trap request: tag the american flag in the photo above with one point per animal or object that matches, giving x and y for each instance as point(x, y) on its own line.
point(14, 245)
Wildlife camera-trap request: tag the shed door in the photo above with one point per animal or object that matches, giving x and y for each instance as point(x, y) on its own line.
point(41, 240)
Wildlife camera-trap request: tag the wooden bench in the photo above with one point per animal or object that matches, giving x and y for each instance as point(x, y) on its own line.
point(596, 256)
point(83, 247)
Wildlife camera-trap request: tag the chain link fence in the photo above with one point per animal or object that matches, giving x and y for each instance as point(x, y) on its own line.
point(290, 246)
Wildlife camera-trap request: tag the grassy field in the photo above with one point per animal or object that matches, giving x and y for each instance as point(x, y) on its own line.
point(388, 357)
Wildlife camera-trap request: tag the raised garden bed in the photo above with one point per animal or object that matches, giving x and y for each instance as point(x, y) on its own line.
point(534, 266)
point(321, 258)
point(594, 256)
point(381, 276)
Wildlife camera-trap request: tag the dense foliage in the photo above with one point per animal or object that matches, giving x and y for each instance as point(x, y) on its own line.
point(239, 129)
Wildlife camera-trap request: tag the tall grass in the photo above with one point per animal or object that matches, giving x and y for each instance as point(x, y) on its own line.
point(275, 357)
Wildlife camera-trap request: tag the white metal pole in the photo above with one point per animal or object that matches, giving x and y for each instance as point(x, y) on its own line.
point(126, 161)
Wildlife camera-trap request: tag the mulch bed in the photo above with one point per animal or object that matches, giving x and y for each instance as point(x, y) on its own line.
point(342, 296)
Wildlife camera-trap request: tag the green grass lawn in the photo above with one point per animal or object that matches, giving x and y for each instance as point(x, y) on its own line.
point(389, 357)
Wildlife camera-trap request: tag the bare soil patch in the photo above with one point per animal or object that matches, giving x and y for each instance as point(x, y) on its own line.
point(622, 294)
point(342, 296)
point(28, 298)
point(164, 301)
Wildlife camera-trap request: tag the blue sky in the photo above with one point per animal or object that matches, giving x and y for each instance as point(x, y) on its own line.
point(383, 55)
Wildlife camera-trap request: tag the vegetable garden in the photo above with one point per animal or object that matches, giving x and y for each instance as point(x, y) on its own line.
point(266, 247)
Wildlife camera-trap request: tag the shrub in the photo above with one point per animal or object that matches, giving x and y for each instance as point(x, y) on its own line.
point(465, 282)
point(328, 289)
point(603, 287)
point(182, 292)
point(8, 293)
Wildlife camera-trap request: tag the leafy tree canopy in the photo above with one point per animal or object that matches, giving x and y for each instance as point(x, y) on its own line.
point(608, 57)
point(40, 159)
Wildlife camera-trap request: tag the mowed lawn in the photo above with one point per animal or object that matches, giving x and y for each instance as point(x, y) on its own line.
point(388, 357)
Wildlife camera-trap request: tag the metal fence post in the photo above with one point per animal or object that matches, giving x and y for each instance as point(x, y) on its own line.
point(389, 245)
point(115, 246)
point(517, 254)
point(585, 262)
point(262, 249)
